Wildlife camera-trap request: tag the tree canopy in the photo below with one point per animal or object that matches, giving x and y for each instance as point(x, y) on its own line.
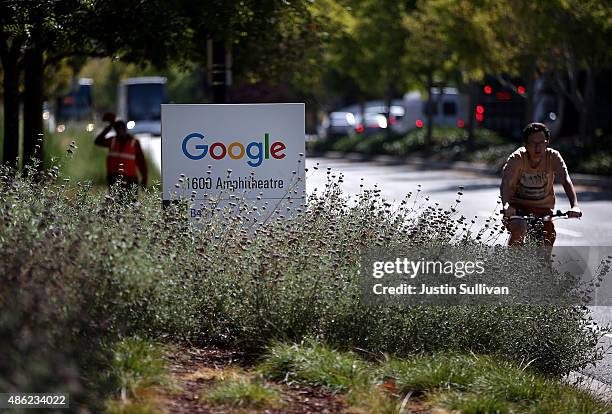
point(379, 48)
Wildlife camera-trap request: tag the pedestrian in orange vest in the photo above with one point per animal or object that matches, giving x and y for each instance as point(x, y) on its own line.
point(124, 157)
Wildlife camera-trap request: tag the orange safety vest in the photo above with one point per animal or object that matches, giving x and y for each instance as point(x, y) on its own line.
point(122, 154)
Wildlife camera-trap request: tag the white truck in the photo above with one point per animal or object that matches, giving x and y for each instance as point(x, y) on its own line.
point(449, 109)
point(139, 103)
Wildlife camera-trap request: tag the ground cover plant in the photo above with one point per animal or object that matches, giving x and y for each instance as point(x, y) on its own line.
point(82, 270)
point(142, 376)
point(242, 392)
point(466, 382)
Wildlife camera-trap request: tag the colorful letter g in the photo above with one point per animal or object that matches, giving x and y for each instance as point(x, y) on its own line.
point(202, 147)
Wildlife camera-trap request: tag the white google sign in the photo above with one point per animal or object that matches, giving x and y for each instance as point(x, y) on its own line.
point(253, 152)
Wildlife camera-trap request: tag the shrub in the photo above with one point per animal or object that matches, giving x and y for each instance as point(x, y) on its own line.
point(599, 163)
point(95, 267)
point(448, 143)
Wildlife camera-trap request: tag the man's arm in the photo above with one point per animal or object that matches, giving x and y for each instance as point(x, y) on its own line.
point(565, 180)
point(101, 137)
point(142, 164)
point(506, 189)
point(568, 186)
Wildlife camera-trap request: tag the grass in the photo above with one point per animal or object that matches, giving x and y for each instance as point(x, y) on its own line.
point(423, 374)
point(138, 365)
point(316, 365)
point(242, 392)
point(90, 164)
point(466, 382)
point(320, 366)
point(140, 370)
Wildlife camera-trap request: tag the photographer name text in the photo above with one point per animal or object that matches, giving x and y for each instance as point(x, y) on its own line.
point(445, 289)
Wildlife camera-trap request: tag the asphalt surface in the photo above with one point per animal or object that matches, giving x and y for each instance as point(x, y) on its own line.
point(479, 201)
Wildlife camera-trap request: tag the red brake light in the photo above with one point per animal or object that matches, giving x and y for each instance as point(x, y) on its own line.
point(359, 128)
point(488, 90)
point(419, 123)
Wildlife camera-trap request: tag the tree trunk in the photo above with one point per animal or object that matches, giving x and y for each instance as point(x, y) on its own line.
point(33, 106)
point(430, 107)
point(471, 113)
point(529, 104)
point(219, 81)
point(586, 118)
point(11, 111)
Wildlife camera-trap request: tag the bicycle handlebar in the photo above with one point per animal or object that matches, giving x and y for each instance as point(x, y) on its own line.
point(548, 217)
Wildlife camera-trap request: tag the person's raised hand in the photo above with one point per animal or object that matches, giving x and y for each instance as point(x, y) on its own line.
point(108, 117)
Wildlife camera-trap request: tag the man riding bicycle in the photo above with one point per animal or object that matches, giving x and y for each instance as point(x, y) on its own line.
point(527, 184)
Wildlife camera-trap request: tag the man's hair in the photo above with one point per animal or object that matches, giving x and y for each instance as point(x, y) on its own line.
point(119, 124)
point(533, 128)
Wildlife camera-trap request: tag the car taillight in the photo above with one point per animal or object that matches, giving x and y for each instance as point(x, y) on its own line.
point(359, 128)
point(392, 120)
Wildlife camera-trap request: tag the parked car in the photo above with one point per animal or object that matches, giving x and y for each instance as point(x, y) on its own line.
point(376, 118)
point(336, 124)
point(371, 122)
point(449, 109)
point(348, 120)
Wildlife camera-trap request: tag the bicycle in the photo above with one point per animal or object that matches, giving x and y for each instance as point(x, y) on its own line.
point(535, 226)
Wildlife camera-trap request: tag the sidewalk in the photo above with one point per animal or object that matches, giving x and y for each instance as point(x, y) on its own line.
point(480, 168)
